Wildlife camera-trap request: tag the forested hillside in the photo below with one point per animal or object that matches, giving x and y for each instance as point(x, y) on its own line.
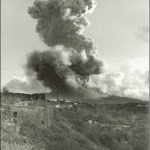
point(82, 127)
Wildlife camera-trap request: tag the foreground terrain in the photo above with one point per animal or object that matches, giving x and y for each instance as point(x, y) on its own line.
point(81, 126)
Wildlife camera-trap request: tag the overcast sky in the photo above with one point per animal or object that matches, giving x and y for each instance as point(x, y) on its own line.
point(119, 27)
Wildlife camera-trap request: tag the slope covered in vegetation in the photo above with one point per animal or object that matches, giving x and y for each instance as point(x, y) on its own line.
point(84, 127)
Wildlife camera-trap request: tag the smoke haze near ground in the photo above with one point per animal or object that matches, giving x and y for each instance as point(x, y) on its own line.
point(126, 83)
point(29, 86)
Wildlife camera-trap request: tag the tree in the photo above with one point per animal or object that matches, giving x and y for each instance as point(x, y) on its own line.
point(5, 90)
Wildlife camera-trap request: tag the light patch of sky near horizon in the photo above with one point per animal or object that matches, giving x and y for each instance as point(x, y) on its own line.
point(114, 25)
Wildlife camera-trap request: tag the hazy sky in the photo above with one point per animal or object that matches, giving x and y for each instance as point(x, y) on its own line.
point(119, 27)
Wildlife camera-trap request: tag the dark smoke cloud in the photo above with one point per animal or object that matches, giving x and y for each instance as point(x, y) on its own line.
point(50, 69)
point(62, 22)
point(59, 70)
point(72, 57)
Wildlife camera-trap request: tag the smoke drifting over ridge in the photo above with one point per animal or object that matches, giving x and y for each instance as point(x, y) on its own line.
point(29, 86)
point(129, 82)
point(72, 57)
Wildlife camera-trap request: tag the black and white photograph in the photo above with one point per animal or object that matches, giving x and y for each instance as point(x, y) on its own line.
point(74, 75)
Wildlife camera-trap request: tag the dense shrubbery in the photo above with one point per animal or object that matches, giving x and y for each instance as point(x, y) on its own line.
point(79, 125)
point(57, 137)
point(103, 138)
point(121, 135)
point(10, 139)
point(122, 146)
point(140, 135)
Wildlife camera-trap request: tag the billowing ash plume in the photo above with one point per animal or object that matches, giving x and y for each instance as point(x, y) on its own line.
point(62, 22)
point(72, 57)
